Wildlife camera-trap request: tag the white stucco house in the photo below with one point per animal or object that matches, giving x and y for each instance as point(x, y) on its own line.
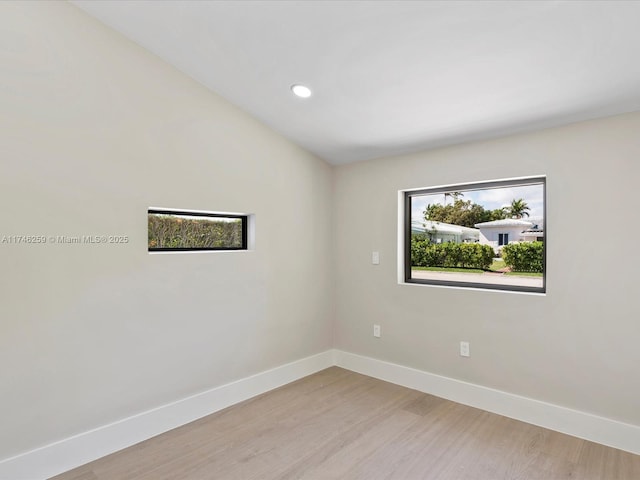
point(502, 232)
point(445, 232)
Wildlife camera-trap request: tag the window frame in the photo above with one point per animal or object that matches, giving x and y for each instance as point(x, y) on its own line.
point(193, 213)
point(462, 187)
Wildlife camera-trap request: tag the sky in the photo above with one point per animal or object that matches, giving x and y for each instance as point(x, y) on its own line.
point(490, 199)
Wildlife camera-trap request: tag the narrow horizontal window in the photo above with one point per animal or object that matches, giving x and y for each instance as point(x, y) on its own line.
point(170, 230)
point(488, 235)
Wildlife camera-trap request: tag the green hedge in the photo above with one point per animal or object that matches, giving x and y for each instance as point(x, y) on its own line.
point(168, 231)
point(524, 256)
point(450, 255)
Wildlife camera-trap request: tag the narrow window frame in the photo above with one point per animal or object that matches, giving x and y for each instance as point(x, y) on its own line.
point(406, 269)
point(244, 218)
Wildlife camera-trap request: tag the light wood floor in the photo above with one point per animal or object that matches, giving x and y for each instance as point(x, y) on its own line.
point(338, 424)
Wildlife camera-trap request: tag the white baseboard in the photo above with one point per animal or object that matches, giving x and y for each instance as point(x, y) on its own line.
point(72, 452)
point(572, 422)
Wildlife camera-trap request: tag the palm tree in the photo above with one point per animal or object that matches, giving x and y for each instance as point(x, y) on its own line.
point(519, 208)
point(454, 195)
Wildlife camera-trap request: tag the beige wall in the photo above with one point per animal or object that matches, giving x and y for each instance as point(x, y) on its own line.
point(576, 346)
point(93, 130)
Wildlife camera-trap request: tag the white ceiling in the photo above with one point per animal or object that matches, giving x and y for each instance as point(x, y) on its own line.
point(393, 77)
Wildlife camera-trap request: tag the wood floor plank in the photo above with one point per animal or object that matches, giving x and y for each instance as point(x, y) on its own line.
point(597, 462)
point(288, 440)
point(336, 462)
point(240, 423)
point(338, 424)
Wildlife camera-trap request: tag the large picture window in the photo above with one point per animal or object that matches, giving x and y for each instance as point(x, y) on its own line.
point(488, 235)
point(170, 230)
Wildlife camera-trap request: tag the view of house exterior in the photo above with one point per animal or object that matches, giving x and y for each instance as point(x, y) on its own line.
point(441, 232)
point(502, 232)
point(496, 233)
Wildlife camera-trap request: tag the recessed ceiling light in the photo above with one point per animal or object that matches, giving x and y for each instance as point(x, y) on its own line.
point(301, 91)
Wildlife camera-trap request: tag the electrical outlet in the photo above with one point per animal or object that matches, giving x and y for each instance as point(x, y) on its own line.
point(375, 258)
point(376, 331)
point(464, 349)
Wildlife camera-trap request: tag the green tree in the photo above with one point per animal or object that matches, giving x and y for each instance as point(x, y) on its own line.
point(463, 213)
point(519, 208)
point(498, 214)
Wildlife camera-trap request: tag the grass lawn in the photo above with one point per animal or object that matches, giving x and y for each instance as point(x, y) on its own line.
point(495, 266)
point(446, 269)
